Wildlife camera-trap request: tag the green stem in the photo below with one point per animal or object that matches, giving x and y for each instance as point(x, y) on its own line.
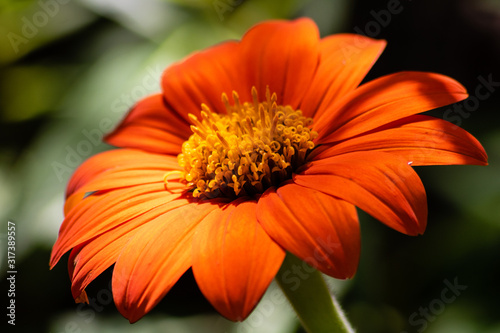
point(306, 290)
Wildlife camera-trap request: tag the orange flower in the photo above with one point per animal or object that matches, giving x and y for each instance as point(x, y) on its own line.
point(225, 185)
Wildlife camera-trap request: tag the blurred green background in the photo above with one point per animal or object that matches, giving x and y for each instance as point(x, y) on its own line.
point(70, 69)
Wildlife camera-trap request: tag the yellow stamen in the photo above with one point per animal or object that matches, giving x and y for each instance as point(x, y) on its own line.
point(236, 99)
point(242, 153)
point(170, 173)
point(226, 103)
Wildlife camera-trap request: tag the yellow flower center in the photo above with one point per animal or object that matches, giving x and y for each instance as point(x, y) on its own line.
point(251, 148)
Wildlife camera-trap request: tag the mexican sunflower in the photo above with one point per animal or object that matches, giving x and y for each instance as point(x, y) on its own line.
point(252, 149)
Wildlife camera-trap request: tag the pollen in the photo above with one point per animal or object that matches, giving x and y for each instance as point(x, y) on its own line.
point(252, 147)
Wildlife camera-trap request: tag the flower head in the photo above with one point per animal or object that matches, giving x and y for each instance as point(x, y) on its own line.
point(254, 148)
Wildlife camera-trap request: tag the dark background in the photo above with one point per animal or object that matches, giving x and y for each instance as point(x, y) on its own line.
point(80, 69)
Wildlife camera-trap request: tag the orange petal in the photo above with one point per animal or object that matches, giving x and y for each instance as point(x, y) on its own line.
point(99, 213)
point(118, 168)
point(385, 100)
point(98, 254)
point(421, 140)
point(234, 260)
point(117, 160)
point(282, 55)
point(121, 179)
point(381, 184)
point(345, 59)
point(316, 227)
point(131, 181)
point(151, 126)
point(80, 297)
point(202, 78)
point(72, 201)
point(155, 258)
